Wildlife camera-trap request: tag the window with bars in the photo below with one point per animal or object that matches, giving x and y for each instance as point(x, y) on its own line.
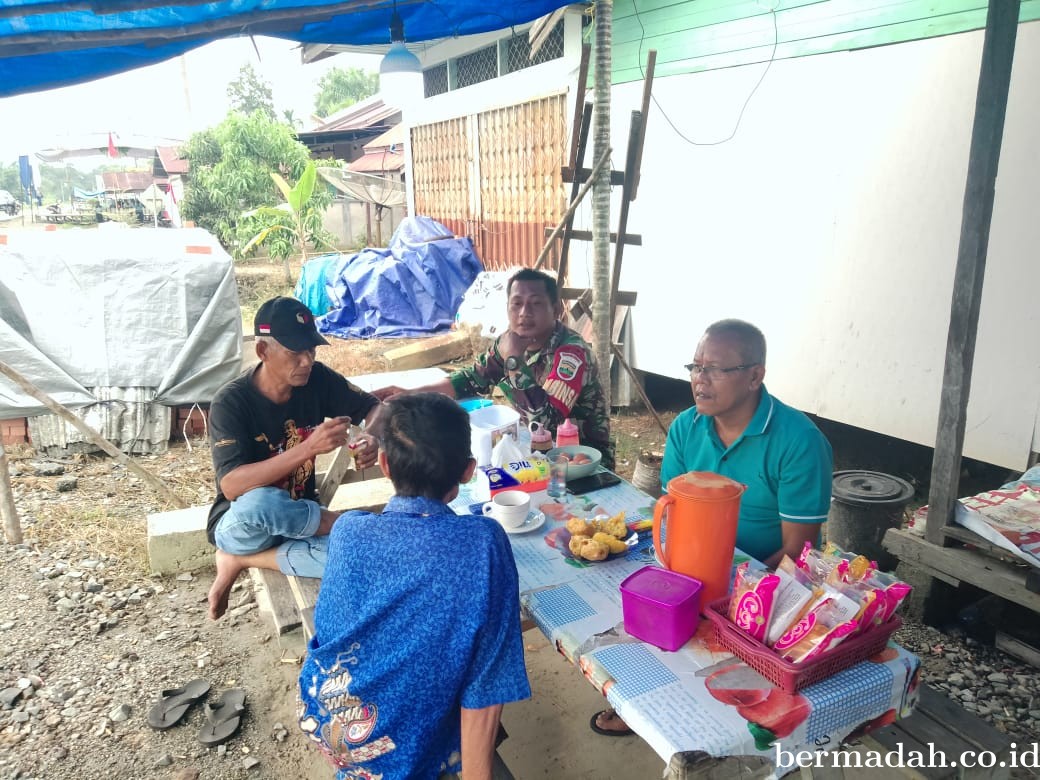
point(519, 47)
point(435, 80)
point(475, 67)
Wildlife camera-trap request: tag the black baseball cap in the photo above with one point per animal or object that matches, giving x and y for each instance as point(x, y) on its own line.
point(288, 322)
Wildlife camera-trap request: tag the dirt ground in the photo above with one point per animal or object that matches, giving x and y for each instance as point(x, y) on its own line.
point(88, 639)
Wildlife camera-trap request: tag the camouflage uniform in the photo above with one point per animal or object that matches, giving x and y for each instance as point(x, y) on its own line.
point(558, 381)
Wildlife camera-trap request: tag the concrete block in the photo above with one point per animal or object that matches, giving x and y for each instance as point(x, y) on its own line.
point(177, 540)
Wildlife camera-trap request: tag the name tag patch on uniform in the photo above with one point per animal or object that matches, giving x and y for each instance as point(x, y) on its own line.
point(563, 385)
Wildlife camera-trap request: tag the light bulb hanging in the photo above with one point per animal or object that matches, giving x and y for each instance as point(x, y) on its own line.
point(400, 72)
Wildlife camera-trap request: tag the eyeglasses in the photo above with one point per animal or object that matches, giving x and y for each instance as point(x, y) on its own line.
point(714, 372)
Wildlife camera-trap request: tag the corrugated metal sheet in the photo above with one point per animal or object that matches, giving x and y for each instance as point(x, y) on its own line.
point(382, 161)
point(126, 181)
point(126, 416)
point(368, 112)
point(393, 136)
point(496, 178)
point(171, 160)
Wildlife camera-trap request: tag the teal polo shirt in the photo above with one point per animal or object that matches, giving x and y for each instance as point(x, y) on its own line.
point(782, 457)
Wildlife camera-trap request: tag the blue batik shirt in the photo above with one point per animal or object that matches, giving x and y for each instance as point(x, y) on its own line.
point(418, 615)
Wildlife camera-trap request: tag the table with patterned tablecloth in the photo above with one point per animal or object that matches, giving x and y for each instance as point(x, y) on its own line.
point(699, 697)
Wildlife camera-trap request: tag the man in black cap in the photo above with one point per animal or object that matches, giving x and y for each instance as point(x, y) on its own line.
point(266, 428)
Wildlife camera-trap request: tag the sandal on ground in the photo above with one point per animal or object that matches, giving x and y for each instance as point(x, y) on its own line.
point(609, 732)
point(175, 703)
point(223, 717)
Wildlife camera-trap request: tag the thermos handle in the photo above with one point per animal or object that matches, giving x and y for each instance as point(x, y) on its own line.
point(659, 516)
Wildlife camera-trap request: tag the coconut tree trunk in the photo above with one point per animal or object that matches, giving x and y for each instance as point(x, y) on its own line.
point(601, 196)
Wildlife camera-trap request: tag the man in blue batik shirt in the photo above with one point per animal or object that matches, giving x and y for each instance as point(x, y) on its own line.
point(417, 640)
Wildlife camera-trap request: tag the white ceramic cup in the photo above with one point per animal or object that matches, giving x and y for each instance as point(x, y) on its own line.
point(510, 508)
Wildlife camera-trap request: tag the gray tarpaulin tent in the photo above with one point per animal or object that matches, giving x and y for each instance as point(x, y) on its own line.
point(119, 323)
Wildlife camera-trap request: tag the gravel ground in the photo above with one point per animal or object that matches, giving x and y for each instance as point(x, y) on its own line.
point(88, 641)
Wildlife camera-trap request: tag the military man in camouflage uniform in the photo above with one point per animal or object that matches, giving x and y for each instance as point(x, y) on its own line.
point(545, 370)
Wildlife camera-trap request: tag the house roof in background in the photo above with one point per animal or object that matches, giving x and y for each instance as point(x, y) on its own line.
point(395, 135)
point(362, 115)
point(127, 181)
point(382, 161)
point(172, 162)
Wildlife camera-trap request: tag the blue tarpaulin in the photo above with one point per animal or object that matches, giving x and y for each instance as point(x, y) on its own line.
point(51, 43)
point(312, 286)
point(411, 288)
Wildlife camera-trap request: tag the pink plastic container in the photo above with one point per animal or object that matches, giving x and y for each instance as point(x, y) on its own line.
point(661, 607)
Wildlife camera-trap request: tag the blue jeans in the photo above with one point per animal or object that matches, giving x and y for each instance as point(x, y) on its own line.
point(267, 517)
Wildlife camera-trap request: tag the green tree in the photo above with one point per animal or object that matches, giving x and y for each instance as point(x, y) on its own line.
point(231, 166)
point(342, 87)
point(249, 93)
point(10, 179)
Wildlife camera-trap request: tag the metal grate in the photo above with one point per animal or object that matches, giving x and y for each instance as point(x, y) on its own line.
point(520, 49)
point(435, 80)
point(478, 66)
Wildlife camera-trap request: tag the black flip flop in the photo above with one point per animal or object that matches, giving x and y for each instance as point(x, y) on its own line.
point(175, 703)
point(223, 717)
point(607, 732)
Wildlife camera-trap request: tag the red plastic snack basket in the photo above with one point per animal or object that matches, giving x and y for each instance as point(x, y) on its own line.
point(783, 674)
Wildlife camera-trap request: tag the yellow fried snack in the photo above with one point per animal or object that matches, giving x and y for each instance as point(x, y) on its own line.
point(614, 544)
point(578, 525)
point(577, 540)
point(592, 550)
point(615, 526)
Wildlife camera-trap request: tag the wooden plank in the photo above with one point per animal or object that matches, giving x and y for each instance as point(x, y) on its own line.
point(1019, 649)
point(616, 177)
point(430, 351)
point(631, 239)
point(305, 594)
point(370, 495)
point(275, 599)
point(342, 462)
point(972, 729)
point(987, 133)
point(996, 577)
point(625, 298)
point(966, 536)
point(633, 151)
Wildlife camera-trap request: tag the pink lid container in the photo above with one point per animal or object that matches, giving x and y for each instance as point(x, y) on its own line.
point(661, 607)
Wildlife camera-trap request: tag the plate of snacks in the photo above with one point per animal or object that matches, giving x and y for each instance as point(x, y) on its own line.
point(599, 539)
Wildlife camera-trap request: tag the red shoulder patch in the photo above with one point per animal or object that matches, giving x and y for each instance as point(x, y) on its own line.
point(564, 382)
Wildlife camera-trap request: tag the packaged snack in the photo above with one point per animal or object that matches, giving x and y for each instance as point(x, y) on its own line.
point(895, 592)
point(821, 629)
point(752, 602)
point(794, 593)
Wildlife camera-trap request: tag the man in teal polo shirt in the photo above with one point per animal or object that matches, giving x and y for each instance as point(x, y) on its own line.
point(736, 428)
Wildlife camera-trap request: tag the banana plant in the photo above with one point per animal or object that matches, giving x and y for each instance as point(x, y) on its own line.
point(296, 200)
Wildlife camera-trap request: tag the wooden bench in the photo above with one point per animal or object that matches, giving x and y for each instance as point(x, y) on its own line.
point(289, 601)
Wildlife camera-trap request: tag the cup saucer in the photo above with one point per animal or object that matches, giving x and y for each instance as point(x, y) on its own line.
point(534, 520)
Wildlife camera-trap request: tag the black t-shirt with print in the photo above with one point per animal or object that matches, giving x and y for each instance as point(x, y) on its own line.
point(246, 427)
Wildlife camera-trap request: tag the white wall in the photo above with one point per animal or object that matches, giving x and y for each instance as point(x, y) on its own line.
point(832, 221)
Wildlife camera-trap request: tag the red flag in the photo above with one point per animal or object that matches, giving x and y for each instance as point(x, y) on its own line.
point(112, 151)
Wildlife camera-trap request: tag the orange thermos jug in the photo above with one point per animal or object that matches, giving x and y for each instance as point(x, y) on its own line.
point(698, 517)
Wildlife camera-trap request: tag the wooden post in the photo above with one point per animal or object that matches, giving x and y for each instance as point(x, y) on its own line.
point(998, 52)
point(12, 527)
point(603, 160)
point(92, 436)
